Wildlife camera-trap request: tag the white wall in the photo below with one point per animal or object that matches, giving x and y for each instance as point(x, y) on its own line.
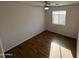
point(19, 22)
point(71, 28)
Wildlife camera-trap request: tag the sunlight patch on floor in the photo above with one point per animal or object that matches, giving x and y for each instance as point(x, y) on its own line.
point(57, 51)
point(66, 53)
point(54, 51)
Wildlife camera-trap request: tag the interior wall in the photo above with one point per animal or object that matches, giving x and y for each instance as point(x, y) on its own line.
point(19, 22)
point(72, 17)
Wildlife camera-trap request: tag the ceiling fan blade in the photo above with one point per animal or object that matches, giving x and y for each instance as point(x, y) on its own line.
point(37, 6)
point(49, 6)
point(46, 4)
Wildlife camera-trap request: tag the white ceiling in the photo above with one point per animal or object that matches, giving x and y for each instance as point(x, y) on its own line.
point(52, 3)
point(60, 3)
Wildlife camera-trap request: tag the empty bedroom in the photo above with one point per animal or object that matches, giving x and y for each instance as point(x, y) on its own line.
point(39, 29)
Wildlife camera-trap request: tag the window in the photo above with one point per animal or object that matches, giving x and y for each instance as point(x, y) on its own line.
point(59, 17)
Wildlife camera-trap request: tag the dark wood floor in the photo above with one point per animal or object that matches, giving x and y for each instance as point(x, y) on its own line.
point(39, 46)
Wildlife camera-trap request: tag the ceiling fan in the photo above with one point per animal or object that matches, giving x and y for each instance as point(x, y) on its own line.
point(46, 5)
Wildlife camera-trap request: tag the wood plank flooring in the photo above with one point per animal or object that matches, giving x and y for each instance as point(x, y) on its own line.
point(40, 45)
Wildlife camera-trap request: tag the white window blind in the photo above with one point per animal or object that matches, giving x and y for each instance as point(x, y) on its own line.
point(59, 17)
